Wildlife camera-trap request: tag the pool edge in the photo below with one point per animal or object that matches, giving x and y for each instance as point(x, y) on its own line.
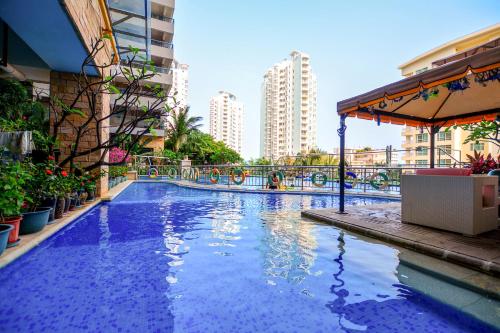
point(28, 242)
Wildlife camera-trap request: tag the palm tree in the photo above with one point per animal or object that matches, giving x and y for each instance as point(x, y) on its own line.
point(179, 126)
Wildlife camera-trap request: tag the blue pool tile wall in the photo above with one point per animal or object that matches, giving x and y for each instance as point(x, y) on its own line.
point(162, 258)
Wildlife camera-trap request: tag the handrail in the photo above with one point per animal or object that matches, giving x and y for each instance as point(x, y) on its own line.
point(108, 29)
point(162, 18)
point(161, 43)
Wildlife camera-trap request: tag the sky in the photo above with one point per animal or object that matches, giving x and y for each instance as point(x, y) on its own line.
point(355, 46)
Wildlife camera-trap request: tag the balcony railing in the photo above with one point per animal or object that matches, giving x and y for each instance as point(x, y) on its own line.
point(135, 64)
point(162, 18)
point(161, 43)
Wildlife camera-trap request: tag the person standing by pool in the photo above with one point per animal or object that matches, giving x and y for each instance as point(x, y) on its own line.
point(274, 182)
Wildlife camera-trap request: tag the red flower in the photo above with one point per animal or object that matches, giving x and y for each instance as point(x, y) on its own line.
point(49, 172)
point(51, 158)
point(82, 183)
point(64, 173)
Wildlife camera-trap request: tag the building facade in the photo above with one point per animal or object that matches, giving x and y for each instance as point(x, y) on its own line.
point(180, 85)
point(288, 108)
point(449, 144)
point(148, 26)
point(226, 120)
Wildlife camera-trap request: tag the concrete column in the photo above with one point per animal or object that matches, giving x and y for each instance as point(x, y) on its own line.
point(64, 86)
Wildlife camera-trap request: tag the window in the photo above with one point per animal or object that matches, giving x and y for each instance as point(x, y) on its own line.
point(421, 162)
point(477, 146)
point(424, 137)
point(444, 149)
point(444, 136)
point(421, 70)
point(422, 151)
point(445, 162)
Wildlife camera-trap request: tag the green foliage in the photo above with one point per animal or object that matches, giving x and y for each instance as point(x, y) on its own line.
point(12, 193)
point(171, 155)
point(259, 161)
point(483, 131)
point(179, 127)
point(201, 147)
point(117, 170)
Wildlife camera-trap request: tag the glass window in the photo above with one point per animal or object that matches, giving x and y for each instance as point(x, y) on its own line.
point(444, 149)
point(445, 162)
point(131, 6)
point(421, 162)
point(421, 70)
point(444, 136)
point(477, 146)
point(422, 151)
point(424, 137)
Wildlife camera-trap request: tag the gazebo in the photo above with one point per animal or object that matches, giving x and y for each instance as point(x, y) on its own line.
point(459, 92)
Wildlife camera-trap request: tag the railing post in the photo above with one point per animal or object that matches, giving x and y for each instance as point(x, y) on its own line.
point(364, 180)
point(302, 186)
point(341, 133)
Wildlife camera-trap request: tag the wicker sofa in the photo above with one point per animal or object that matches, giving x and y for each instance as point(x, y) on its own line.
point(450, 200)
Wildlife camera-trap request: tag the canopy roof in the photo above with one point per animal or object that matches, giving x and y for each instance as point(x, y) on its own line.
point(464, 91)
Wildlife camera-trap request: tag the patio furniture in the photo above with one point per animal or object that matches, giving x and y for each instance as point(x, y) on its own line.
point(463, 204)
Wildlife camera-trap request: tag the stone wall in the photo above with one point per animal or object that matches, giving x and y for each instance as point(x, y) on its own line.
point(64, 86)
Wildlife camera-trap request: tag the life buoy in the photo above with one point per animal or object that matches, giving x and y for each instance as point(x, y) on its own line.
point(194, 174)
point(214, 176)
point(280, 176)
point(351, 175)
point(153, 172)
point(373, 181)
point(185, 173)
point(324, 179)
point(238, 173)
point(172, 173)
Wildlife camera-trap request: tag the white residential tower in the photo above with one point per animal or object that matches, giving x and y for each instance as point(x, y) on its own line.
point(226, 120)
point(288, 108)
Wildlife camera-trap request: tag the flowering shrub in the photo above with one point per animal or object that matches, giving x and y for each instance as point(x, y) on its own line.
point(117, 155)
point(481, 165)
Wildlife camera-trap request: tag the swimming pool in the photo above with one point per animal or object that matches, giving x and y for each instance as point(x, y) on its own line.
point(162, 258)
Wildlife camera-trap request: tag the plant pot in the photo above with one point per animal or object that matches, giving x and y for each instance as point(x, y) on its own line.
point(34, 221)
point(14, 221)
point(72, 203)
point(5, 230)
point(91, 195)
point(50, 202)
point(83, 197)
point(59, 208)
point(67, 202)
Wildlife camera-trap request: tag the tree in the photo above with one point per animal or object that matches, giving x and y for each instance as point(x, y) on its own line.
point(259, 161)
point(136, 117)
point(179, 126)
point(483, 131)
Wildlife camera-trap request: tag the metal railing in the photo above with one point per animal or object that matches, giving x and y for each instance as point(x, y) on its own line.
point(309, 179)
point(163, 18)
point(161, 43)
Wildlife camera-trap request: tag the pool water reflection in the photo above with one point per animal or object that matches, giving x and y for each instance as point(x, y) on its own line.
point(161, 258)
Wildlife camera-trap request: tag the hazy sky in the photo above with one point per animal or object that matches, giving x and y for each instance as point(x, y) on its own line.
point(355, 46)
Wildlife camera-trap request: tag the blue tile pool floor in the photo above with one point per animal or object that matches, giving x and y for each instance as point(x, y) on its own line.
point(161, 258)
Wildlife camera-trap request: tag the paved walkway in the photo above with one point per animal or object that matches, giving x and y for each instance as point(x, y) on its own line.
point(383, 222)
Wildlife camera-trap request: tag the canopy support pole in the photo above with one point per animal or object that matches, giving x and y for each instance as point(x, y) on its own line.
point(433, 131)
point(341, 133)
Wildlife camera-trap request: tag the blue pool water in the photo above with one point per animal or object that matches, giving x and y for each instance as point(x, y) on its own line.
point(161, 258)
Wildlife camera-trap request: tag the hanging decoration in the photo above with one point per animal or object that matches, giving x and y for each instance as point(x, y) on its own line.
point(484, 77)
point(382, 105)
point(457, 85)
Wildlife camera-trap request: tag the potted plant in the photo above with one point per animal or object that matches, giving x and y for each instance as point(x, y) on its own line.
point(35, 216)
point(481, 165)
point(12, 195)
point(49, 187)
point(5, 230)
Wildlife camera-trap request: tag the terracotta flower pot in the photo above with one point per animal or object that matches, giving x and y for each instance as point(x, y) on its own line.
point(15, 222)
point(59, 208)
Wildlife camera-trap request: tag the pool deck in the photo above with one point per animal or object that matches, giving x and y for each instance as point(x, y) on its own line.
point(30, 241)
point(383, 222)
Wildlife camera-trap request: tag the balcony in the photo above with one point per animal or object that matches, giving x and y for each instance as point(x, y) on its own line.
point(163, 75)
point(162, 49)
point(164, 25)
point(162, 6)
